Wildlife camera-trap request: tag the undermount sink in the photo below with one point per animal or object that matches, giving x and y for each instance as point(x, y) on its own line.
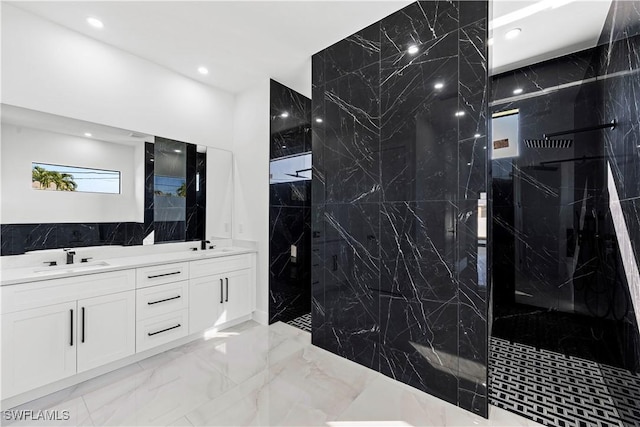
point(83, 266)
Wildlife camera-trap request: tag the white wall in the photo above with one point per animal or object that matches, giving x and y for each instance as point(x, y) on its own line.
point(19, 203)
point(251, 182)
point(49, 68)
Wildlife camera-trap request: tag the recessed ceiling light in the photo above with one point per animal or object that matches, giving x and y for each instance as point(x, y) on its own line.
point(459, 113)
point(412, 50)
point(284, 146)
point(517, 91)
point(512, 34)
point(284, 115)
point(469, 164)
point(88, 134)
point(95, 22)
point(177, 151)
point(153, 160)
point(438, 85)
point(318, 120)
point(485, 147)
point(203, 70)
point(477, 135)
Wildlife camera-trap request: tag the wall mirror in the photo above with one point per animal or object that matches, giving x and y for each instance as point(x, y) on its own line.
point(106, 186)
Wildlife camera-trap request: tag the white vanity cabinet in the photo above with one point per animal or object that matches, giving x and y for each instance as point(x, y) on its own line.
point(61, 331)
point(38, 347)
point(105, 330)
point(162, 313)
point(56, 328)
point(220, 291)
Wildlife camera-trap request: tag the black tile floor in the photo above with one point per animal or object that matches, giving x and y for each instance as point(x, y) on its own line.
point(303, 322)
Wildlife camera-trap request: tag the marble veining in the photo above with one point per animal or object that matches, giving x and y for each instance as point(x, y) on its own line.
point(289, 209)
point(400, 163)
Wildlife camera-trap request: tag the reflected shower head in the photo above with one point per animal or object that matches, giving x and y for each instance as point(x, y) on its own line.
point(548, 143)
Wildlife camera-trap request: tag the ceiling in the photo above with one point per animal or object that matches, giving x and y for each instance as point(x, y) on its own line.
point(243, 41)
point(550, 28)
point(23, 117)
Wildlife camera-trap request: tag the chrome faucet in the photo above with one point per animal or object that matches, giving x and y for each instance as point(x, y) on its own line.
point(70, 255)
point(203, 244)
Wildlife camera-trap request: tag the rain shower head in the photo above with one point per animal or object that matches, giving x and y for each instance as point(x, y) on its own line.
point(548, 143)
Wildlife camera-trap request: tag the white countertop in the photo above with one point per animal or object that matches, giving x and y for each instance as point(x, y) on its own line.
point(14, 276)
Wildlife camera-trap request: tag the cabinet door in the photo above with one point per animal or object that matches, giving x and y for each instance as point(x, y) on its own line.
point(38, 347)
point(206, 299)
point(237, 295)
point(106, 329)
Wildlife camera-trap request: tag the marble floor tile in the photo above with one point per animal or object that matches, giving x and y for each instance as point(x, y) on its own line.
point(157, 396)
point(255, 375)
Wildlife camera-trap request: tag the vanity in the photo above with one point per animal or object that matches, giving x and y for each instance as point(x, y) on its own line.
point(64, 324)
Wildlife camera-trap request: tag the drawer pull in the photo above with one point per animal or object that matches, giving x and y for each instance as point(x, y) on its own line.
point(71, 323)
point(164, 330)
point(164, 274)
point(163, 300)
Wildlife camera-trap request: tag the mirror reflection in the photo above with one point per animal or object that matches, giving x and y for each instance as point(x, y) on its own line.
point(86, 184)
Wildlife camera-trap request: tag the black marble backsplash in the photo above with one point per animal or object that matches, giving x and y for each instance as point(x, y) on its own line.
point(20, 238)
point(399, 163)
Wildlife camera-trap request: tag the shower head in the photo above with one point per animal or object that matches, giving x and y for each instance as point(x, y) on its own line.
point(548, 143)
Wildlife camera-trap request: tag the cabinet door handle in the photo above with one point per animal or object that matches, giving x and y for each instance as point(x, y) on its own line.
point(164, 330)
point(163, 274)
point(71, 323)
point(163, 300)
point(227, 280)
point(83, 327)
point(221, 293)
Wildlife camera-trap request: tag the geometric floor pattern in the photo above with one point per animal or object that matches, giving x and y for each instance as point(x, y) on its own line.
point(303, 322)
point(557, 390)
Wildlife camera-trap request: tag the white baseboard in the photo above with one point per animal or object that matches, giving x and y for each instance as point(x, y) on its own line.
point(261, 317)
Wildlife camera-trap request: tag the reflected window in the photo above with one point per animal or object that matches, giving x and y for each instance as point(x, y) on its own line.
point(290, 169)
point(50, 177)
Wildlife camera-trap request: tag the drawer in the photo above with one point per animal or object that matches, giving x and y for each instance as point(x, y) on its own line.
point(161, 274)
point(162, 299)
point(55, 291)
point(221, 265)
point(161, 329)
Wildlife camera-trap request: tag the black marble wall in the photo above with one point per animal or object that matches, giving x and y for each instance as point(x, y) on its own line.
point(398, 269)
point(621, 94)
point(289, 208)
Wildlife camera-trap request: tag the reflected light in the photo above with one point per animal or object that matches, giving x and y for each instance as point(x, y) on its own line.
point(88, 134)
point(517, 91)
point(284, 115)
point(477, 135)
point(459, 113)
point(318, 120)
point(512, 34)
point(368, 424)
point(438, 85)
point(214, 333)
point(412, 50)
point(95, 22)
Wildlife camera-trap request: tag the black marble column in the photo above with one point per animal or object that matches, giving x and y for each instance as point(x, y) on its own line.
point(289, 208)
point(399, 275)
